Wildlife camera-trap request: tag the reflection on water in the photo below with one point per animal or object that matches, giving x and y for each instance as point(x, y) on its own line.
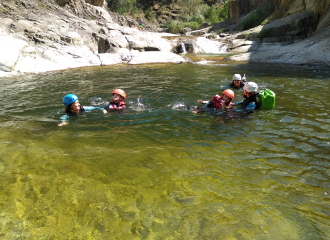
point(158, 170)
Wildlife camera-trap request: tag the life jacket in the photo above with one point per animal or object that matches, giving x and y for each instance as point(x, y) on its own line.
point(252, 98)
point(118, 106)
point(240, 86)
point(218, 102)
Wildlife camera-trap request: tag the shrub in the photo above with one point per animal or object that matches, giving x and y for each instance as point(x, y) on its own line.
point(150, 14)
point(256, 18)
point(223, 12)
point(212, 15)
point(192, 25)
point(266, 32)
point(251, 21)
point(197, 18)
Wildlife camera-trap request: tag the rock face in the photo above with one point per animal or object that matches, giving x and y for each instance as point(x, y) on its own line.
point(238, 8)
point(312, 51)
point(54, 38)
point(289, 7)
point(324, 21)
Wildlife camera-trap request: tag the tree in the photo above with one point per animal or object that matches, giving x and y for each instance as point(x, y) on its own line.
point(121, 6)
point(189, 6)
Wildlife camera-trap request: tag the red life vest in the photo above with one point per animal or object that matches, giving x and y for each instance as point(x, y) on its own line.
point(217, 101)
point(116, 106)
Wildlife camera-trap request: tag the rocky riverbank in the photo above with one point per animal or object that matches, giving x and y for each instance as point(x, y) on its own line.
point(36, 36)
point(39, 36)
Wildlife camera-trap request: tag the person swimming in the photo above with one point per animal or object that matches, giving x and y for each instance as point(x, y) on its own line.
point(117, 103)
point(73, 108)
point(223, 101)
point(237, 83)
point(250, 103)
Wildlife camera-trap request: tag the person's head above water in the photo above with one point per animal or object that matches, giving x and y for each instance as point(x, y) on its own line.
point(250, 88)
point(118, 95)
point(71, 103)
point(228, 95)
point(237, 78)
point(69, 99)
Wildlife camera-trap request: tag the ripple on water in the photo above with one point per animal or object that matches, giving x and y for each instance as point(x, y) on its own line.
point(158, 170)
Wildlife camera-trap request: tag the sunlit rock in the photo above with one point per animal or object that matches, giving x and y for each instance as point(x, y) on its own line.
point(10, 49)
point(156, 57)
point(110, 58)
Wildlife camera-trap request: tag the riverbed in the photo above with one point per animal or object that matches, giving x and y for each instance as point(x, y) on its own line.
point(159, 170)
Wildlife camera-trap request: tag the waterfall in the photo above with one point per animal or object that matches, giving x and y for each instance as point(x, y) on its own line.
point(223, 48)
point(183, 47)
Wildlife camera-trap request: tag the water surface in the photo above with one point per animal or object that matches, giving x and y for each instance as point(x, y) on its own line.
point(157, 170)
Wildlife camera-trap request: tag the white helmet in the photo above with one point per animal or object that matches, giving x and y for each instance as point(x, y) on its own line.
point(237, 77)
point(251, 87)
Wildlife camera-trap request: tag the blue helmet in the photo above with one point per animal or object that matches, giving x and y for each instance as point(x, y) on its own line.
point(68, 99)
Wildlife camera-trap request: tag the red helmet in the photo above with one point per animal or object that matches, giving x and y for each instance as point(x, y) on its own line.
point(120, 92)
point(229, 93)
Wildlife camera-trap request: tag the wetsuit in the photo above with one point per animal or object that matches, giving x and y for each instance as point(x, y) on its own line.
point(249, 104)
point(66, 116)
point(116, 106)
point(232, 85)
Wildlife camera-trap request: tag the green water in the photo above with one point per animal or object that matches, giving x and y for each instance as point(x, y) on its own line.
point(157, 170)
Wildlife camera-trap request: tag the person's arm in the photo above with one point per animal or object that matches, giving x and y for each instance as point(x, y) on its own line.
point(203, 102)
point(250, 107)
point(237, 103)
point(90, 108)
point(64, 120)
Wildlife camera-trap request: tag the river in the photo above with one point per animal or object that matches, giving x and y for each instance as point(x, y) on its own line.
point(158, 170)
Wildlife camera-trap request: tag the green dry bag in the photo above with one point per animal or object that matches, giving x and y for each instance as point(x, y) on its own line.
point(266, 99)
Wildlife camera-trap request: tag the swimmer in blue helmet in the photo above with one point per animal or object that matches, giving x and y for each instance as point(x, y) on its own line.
point(73, 108)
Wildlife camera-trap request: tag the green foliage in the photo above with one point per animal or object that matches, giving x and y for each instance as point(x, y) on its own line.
point(223, 12)
point(256, 18)
point(189, 7)
point(173, 27)
point(251, 21)
point(149, 14)
point(197, 18)
point(222, 30)
point(215, 15)
point(266, 32)
point(193, 25)
point(121, 6)
point(178, 27)
point(212, 15)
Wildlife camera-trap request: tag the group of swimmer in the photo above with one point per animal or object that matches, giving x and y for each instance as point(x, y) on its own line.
point(73, 108)
point(250, 103)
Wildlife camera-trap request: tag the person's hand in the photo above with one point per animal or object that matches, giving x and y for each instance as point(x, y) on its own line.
point(200, 101)
point(63, 123)
point(104, 111)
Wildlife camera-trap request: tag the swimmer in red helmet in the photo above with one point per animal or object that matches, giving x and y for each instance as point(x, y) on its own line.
point(223, 101)
point(118, 96)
